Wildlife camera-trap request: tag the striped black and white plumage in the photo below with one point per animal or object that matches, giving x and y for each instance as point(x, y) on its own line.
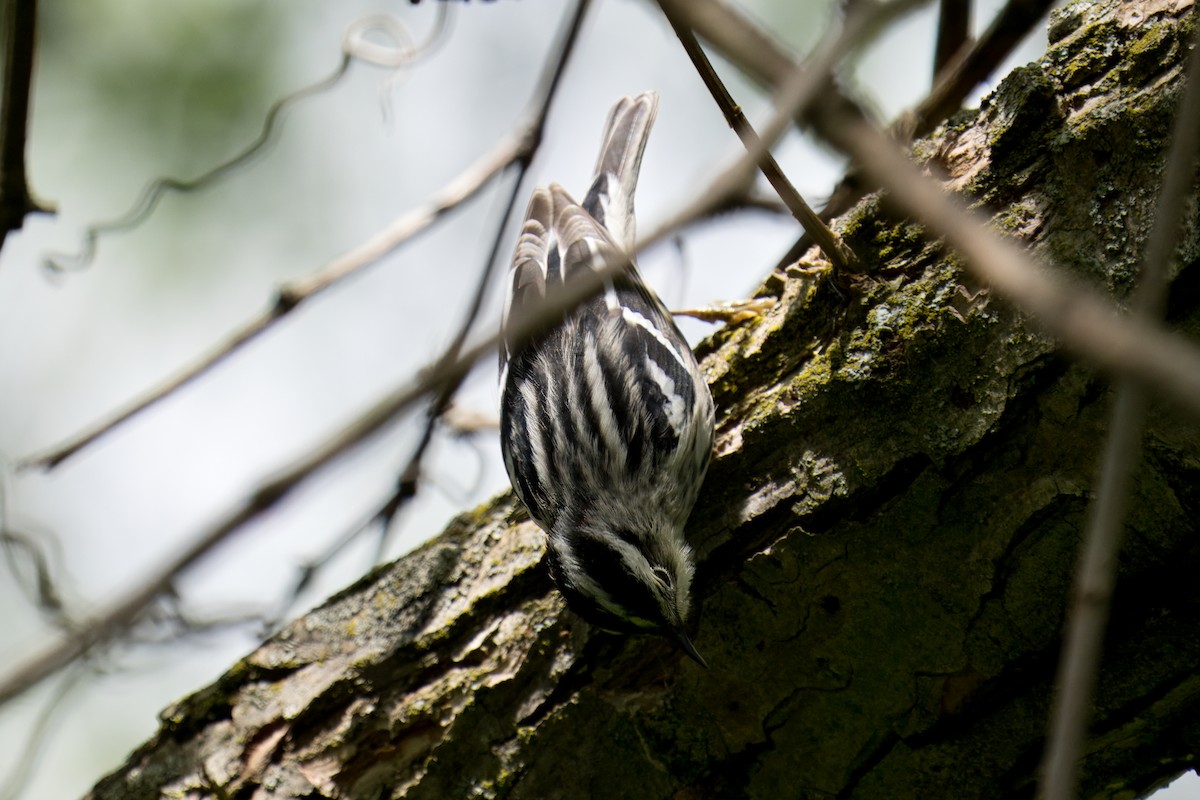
point(606, 421)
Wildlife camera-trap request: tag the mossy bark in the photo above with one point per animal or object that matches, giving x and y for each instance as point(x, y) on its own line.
point(887, 534)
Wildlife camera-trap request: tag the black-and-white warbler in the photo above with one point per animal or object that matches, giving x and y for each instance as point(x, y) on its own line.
point(606, 422)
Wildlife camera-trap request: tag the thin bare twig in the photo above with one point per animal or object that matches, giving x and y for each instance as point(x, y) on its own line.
point(750, 48)
point(797, 86)
point(1095, 578)
point(40, 587)
point(840, 256)
point(34, 563)
point(19, 27)
point(767, 61)
point(1084, 320)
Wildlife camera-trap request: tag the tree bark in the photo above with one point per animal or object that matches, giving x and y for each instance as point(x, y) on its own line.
point(886, 536)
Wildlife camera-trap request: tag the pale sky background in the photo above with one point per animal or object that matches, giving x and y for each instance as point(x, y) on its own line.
point(128, 90)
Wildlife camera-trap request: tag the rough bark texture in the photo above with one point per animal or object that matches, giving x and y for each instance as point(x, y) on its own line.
point(887, 535)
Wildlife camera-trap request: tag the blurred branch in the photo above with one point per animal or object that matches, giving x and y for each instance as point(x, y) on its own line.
point(33, 562)
point(549, 83)
point(759, 54)
point(1096, 576)
point(354, 46)
point(951, 87)
point(409, 479)
point(798, 85)
point(289, 297)
point(19, 27)
point(954, 23)
point(1085, 321)
point(1009, 28)
point(746, 45)
point(839, 255)
point(41, 588)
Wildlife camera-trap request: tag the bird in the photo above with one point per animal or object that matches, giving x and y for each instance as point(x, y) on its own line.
point(606, 420)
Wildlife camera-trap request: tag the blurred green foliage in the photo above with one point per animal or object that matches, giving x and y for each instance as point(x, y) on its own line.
point(179, 84)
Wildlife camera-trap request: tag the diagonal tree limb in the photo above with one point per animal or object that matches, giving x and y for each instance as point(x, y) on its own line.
point(1086, 322)
point(840, 256)
point(951, 87)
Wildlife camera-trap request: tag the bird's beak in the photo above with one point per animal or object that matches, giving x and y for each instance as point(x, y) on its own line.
point(685, 644)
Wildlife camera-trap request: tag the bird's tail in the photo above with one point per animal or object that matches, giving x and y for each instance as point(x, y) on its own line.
point(610, 198)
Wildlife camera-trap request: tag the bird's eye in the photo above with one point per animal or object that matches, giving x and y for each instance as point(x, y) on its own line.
point(662, 575)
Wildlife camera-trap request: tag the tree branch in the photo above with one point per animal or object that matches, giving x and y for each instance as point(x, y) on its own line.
point(883, 542)
point(19, 26)
point(830, 243)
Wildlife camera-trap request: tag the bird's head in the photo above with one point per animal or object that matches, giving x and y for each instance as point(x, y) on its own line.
point(628, 581)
